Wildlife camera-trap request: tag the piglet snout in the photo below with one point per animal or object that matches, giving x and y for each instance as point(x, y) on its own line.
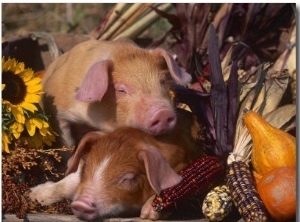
point(84, 208)
point(161, 120)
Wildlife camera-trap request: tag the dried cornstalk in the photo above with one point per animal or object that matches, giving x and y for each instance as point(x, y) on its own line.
point(123, 18)
point(264, 94)
point(143, 23)
point(110, 18)
point(135, 16)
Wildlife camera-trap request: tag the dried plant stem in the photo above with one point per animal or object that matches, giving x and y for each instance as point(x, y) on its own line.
point(118, 23)
point(141, 25)
point(136, 15)
point(109, 19)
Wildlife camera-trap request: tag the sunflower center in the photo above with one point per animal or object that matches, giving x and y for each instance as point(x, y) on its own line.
point(15, 88)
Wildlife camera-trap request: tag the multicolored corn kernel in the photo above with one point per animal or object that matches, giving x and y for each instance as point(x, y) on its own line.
point(199, 176)
point(217, 204)
point(244, 194)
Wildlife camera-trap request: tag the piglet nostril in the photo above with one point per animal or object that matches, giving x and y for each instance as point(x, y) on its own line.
point(84, 209)
point(162, 121)
point(170, 120)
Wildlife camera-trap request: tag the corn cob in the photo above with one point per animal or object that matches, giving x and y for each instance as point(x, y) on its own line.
point(294, 86)
point(243, 192)
point(217, 204)
point(197, 177)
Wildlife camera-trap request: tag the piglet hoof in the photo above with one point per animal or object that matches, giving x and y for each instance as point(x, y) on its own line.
point(148, 212)
point(45, 193)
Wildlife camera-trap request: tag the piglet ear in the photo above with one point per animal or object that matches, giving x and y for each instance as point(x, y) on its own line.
point(177, 73)
point(159, 172)
point(83, 148)
point(95, 83)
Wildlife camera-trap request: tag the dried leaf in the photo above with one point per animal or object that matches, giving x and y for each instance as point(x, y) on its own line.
point(281, 116)
point(218, 94)
point(265, 27)
point(238, 51)
point(263, 96)
point(200, 105)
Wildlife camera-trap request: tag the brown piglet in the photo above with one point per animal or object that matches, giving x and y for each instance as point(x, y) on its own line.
point(103, 85)
point(118, 173)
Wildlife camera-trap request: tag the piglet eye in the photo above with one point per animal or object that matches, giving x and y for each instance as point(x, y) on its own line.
point(127, 180)
point(121, 91)
point(121, 88)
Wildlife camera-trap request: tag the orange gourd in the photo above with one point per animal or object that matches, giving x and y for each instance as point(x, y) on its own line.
point(256, 177)
point(271, 147)
point(277, 190)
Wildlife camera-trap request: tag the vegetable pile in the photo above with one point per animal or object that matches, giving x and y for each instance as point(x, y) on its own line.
point(242, 58)
point(248, 122)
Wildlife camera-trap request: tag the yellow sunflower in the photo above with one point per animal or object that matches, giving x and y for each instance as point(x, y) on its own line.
point(20, 88)
point(20, 107)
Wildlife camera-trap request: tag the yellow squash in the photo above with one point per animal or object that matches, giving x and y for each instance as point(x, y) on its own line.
point(271, 147)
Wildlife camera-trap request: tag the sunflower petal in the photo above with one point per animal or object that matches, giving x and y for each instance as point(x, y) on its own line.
point(18, 113)
point(9, 65)
point(17, 129)
point(48, 142)
point(32, 98)
point(5, 142)
point(29, 106)
point(44, 131)
point(35, 141)
point(45, 124)
point(37, 122)
point(34, 88)
point(27, 75)
point(5, 147)
point(30, 127)
point(33, 81)
point(19, 68)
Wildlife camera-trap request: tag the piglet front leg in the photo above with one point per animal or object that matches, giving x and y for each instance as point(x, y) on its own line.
point(51, 192)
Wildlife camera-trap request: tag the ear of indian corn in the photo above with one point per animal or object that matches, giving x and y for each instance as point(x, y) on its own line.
point(199, 176)
point(244, 193)
point(217, 204)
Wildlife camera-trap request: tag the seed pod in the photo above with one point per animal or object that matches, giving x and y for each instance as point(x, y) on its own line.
point(244, 193)
point(199, 176)
point(217, 204)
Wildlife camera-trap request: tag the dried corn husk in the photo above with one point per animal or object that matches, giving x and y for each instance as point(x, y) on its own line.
point(264, 94)
point(143, 23)
point(122, 19)
point(111, 17)
point(129, 20)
